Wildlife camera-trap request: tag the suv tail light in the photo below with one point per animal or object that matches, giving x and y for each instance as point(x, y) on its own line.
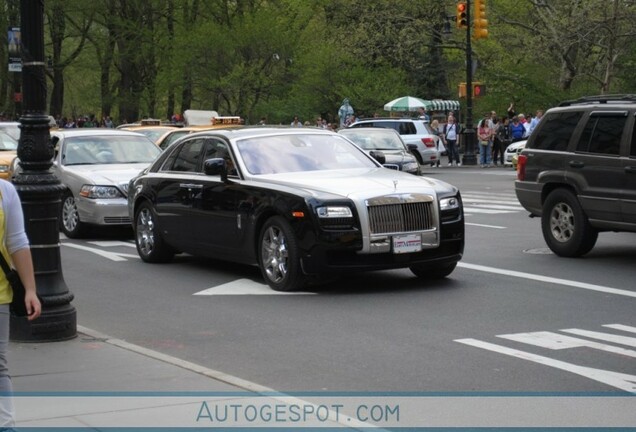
point(428, 142)
point(521, 167)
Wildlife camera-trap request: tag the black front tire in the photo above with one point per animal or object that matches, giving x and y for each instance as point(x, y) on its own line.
point(566, 229)
point(279, 256)
point(432, 271)
point(150, 245)
point(70, 223)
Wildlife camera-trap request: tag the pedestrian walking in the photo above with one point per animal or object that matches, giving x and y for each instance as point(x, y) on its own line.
point(14, 246)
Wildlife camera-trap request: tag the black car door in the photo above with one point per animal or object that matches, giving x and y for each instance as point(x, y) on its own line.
point(596, 166)
point(219, 211)
point(176, 187)
point(629, 197)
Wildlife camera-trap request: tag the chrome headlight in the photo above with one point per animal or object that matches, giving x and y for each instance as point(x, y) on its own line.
point(448, 203)
point(409, 166)
point(100, 192)
point(4, 168)
point(334, 212)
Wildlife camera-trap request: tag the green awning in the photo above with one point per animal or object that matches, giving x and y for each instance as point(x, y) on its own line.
point(442, 105)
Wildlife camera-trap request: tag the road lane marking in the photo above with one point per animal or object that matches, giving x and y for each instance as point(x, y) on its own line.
point(246, 287)
point(468, 209)
point(485, 226)
point(615, 379)
point(622, 327)
point(113, 256)
point(548, 279)
point(621, 340)
point(112, 243)
point(555, 341)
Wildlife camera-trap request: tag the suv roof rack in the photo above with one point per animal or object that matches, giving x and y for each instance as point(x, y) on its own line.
point(601, 99)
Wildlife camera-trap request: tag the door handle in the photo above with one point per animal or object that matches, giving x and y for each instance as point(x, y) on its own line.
point(190, 186)
point(576, 164)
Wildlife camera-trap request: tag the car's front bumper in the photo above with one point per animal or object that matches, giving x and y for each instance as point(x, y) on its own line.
point(103, 211)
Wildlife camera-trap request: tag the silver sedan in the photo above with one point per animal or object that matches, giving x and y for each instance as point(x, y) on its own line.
point(96, 165)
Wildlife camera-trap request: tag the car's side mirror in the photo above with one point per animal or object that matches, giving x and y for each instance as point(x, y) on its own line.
point(215, 166)
point(378, 155)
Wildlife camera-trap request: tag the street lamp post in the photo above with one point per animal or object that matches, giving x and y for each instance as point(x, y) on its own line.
point(40, 191)
point(469, 132)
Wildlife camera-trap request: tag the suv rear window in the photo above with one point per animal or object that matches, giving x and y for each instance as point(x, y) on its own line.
point(602, 133)
point(556, 130)
point(403, 128)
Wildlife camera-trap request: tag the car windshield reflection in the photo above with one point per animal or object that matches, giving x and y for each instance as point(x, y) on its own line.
point(95, 150)
point(7, 143)
point(298, 153)
point(376, 140)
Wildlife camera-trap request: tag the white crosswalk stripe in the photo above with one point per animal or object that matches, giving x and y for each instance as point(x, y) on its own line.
point(480, 202)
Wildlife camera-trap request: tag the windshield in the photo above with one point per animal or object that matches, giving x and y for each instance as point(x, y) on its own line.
point(297, 153)
point(108, 149)
point(375, 140)
point(154, 133)
point(7, 142)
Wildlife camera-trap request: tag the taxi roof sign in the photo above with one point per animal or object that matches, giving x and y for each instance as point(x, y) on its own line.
point(150, 122)
point(199, 117)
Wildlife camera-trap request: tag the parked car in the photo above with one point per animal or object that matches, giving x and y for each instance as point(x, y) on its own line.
point(8, 149)
point(512, 151)
point(416, 133)
point(299, 203)
point(386, 146)
point(578, 172)
point(95, 166)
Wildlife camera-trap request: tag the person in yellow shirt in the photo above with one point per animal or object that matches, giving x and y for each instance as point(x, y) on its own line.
point(14, 246)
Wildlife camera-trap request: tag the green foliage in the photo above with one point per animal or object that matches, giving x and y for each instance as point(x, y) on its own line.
point(280, 58)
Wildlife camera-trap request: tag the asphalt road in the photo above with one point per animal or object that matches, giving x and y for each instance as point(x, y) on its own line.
point(511, 318)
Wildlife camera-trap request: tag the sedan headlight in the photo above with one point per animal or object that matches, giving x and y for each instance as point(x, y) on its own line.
point(4, 168)
point(100, 192)
point(448, 203)
point(334, 212)
point(410, 166)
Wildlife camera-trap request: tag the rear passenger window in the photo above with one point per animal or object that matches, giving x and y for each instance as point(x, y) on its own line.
point(556, 130)
point(602, 134)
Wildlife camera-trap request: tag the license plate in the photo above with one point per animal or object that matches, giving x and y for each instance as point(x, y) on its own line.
point(407, 243)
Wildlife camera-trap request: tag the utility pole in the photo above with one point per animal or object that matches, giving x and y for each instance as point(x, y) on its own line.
point(469, 132)
point(40, 191)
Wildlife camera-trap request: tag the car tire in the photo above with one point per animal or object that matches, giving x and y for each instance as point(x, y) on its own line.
point(566, 229)
point(432, 271)
point(150, 245)
point(70, 223)
point(279, 256)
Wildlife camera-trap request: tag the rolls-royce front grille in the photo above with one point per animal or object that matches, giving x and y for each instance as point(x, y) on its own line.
point(402, 217)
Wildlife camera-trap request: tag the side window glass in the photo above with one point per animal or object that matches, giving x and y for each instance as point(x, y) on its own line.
point(555, 130)
point(602, 135)
point(633, 142)
point(187, 157)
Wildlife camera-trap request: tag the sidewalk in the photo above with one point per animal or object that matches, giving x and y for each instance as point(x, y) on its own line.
point(94, 381)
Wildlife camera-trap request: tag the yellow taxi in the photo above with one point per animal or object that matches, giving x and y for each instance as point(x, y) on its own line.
point(8, 152)
point(152, 128)
point(198, 121)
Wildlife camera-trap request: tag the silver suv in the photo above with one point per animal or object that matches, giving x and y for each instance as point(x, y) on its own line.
point(578, 172)
point(417, 134)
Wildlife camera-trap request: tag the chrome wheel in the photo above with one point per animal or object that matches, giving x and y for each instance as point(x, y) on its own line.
point(150, 245)
point(145, 232)
point(274, 254)
point(562, 222)
point(70, 216)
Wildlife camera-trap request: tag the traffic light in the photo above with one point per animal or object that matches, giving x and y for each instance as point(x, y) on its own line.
point(480, 23)
point(462, 90)
point(462, 10)
point(479, 89)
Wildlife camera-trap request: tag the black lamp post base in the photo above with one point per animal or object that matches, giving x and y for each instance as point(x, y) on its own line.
point(52, 326)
